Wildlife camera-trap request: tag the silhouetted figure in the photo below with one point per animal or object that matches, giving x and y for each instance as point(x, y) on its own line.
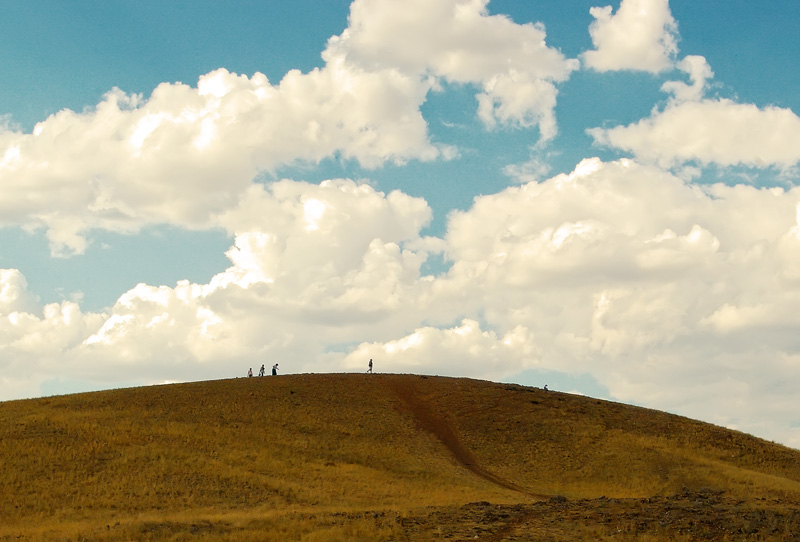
point(275, 370)
point(370, 366)
point(250, 372)
point(545, 387)
point(261, 372)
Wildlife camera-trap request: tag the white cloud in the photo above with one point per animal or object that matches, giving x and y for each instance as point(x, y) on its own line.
point(353, 227)
point(458, 41)
point(695, 129)
point(517, 99)
point(699, 73)
point(33, 338)
point(717, 131)
point(641, 35)
point(533, 170)
point(14, 294)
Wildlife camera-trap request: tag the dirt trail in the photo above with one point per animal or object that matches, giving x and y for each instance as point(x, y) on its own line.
point(433, 422)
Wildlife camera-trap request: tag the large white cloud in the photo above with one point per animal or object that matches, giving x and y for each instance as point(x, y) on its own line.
point(641, 35)
point(458, 41)
point(35, 339)
point(187, 154)
point(693, 129)
point(712, 131)
point(627, 228)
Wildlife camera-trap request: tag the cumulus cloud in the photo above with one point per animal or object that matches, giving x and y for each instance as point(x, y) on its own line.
point(34, 339)
point(699, 72)
point(641, 35)
point(534, 170)
point(185, 155)
point(314, 243)
point(456, 40)
point(14, 295)
point(705, 131)
point(711, 131)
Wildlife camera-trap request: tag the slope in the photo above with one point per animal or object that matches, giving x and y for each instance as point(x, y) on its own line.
point(352, 457)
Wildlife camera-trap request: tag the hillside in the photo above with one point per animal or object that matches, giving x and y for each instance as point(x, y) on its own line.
point(380, 457)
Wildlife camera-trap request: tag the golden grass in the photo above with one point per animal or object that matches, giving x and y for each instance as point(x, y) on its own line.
point(341, 457)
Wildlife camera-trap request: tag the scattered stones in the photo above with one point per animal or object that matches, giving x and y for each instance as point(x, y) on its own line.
point(693, 515)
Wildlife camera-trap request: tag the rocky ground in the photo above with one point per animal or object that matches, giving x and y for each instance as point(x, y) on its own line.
point(691, 515)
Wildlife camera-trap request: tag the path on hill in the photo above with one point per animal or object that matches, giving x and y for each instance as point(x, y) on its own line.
point(408, 392)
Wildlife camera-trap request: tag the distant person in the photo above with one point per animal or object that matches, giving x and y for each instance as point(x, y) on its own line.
point(545, 387)
point(250, 372)
point(275, 370)
point(261, 372)
point(370, 366)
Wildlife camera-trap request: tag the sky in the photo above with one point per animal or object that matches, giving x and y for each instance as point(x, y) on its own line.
point(601, 198)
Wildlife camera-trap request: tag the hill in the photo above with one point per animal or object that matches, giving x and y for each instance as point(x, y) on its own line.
point(380, 457)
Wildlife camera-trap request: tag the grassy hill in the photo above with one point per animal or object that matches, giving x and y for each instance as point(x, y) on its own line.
point(380, 457)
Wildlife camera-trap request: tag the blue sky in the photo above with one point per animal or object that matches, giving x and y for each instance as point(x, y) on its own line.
point(600, 197)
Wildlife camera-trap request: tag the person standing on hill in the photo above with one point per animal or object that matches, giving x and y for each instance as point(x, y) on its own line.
point(250, 372)
point(261, 372)
point(275, 370)
point(370, 366)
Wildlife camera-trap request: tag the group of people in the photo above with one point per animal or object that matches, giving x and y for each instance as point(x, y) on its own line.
point(275, 370)
point(261, 372)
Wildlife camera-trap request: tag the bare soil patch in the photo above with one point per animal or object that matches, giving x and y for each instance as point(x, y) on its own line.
point(437, 424)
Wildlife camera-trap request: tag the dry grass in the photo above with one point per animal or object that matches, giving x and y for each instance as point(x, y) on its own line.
point(343, 457)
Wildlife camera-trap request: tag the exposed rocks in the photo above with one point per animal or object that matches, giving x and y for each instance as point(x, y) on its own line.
point(691, 515)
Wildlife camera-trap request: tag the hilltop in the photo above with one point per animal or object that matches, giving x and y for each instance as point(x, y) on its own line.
point(380, 457)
